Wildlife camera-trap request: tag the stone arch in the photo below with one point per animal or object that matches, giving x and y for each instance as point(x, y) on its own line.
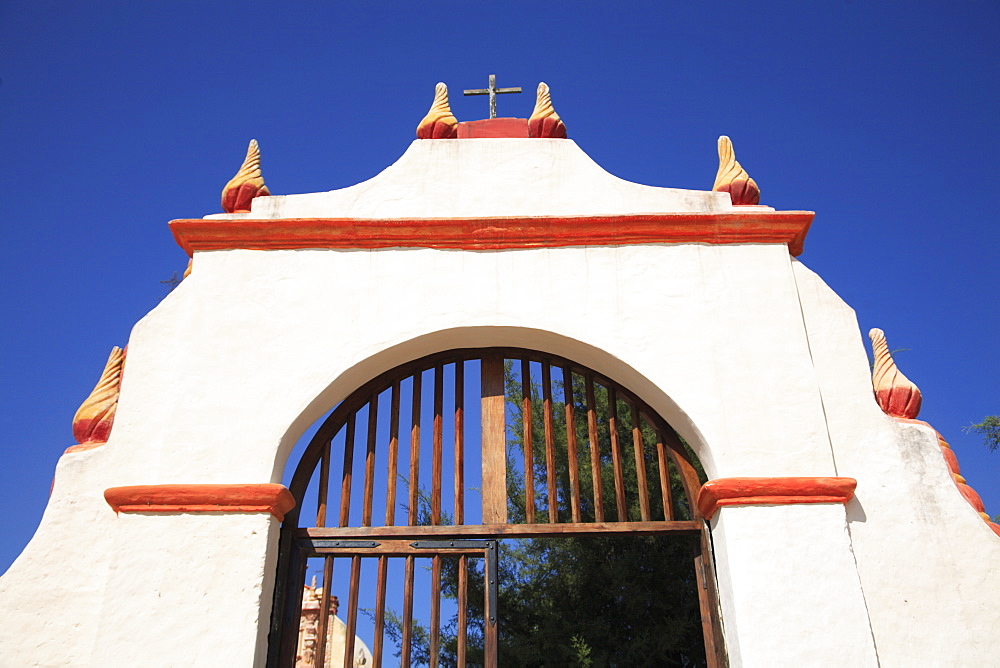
point(580, 351)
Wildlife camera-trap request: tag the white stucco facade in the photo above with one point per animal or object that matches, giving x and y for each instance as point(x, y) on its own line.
point(743, 350)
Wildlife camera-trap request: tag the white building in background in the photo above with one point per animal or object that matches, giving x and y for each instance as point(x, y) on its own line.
point(841, 530)
point(336, 633)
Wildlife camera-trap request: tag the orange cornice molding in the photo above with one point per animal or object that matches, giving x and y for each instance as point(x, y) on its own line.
point(772, 492)
point(204, 498)
point(495, 233)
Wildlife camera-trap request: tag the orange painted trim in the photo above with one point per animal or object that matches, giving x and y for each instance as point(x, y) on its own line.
point(262, 498)
point(772, 491)
point(496, 233)
point(83, 447)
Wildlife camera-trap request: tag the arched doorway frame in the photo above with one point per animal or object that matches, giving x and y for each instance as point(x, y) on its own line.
point(607, 363)
point(295, 540)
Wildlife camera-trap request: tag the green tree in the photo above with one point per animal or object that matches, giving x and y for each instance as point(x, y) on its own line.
point(989, 429)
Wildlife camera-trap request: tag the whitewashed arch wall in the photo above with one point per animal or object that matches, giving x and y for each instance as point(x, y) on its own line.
point(739, 347)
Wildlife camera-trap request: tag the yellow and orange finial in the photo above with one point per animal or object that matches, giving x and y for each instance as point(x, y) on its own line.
point(895, 393)
point(439, 123)
point(93, 420)
point(247, 184)
point(732, 178)
point(545, 122)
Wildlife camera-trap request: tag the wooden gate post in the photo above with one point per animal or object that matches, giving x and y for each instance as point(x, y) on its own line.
point(494, 440)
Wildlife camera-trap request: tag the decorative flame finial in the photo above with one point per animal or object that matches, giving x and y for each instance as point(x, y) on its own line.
point(247, 184)
point(732, 178)
point(439, 123)
point(92, 422)
point(544, 121)
point(895, 393)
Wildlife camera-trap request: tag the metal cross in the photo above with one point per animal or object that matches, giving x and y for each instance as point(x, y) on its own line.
point(492, 91)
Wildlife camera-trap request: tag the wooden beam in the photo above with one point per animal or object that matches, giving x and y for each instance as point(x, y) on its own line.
point(506, 530)
point(494, 431)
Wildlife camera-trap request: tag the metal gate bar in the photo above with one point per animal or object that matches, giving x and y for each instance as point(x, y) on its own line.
point(330, 549)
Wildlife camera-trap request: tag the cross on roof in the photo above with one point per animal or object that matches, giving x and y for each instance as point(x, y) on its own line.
point(492, 91)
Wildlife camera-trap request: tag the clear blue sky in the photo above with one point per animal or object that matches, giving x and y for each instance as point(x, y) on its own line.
point(117, 117)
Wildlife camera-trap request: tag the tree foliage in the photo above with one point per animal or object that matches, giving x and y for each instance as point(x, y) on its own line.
point(989, 429)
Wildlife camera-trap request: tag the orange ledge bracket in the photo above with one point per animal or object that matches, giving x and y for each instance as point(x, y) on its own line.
point(772, 492)
point(500, 233)
point(261, 498)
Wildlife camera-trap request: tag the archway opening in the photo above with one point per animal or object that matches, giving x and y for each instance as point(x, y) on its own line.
point(553, 509)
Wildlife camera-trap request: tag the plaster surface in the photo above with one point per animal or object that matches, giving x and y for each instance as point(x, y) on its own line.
point(794, 595)
point(272, 340)
point(925, 558)
point(489, 177)
point(188, 590)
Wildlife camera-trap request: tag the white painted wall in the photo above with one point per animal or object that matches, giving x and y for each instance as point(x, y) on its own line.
point(927, 561)
point(744, 351)
point(273, 339)
point(188, 590)
point(794, 598)
point(49, 595)
point(488, 177)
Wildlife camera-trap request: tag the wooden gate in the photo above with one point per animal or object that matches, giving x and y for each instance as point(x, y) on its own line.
point(537, 446)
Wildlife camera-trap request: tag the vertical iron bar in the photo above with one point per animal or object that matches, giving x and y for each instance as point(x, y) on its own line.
point(345, 483)
point(595, 453)
point(529, 456)
point(284, 636)
point(324, 486)
point(323, 623)
point(640, 464)
point(616, 455)
point(706, 601)
point(352, 612)
point(435, 610)
point(664, 462)
point(407, 612)
point(390, 493)
point(463, 607)
point(437, 442)
point(491, 646)
point(366, 512)
point(379, 633)
point(459, 442)
point(415, 449)
point(550, 446)
point(574, 464)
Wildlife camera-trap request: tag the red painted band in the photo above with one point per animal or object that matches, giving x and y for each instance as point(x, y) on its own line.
point(772, 491)
point(494, 128)
point(495, 233)
point(83, 447)
point(262, 498)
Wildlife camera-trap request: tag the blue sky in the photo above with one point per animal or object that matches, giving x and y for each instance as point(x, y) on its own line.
point(116, 117)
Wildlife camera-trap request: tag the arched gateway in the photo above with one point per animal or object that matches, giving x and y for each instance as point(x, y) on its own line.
point(165, 541)
point(557, 451)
